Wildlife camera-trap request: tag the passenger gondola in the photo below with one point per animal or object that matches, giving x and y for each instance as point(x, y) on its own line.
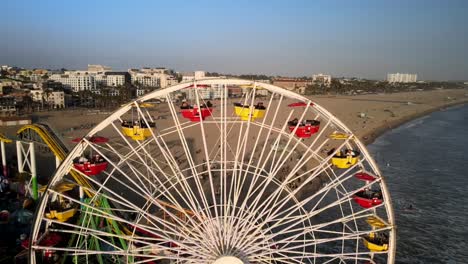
point(137, 129)
point(195, 113)
point(365, 176)
point(345, 159)
point(91, 164)
point(305, 129)
point(368, 198)
point(246, 112)
point(140, 126)
point(376, 241)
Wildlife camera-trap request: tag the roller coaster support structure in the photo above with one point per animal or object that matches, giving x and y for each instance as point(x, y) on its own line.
point(27, 150)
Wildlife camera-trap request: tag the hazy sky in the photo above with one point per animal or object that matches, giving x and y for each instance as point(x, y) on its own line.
point(343, 38)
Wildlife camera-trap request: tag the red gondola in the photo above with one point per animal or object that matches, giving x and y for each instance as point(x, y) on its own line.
point(93, 139)
point(199, 86)
point(364, 176)
point(193, 113)
point(50, 240)
point(368, 198)
point(305, 129)
point(297, 104)
point(93, 164)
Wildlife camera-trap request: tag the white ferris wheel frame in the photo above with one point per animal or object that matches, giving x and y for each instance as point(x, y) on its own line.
point(67, 164)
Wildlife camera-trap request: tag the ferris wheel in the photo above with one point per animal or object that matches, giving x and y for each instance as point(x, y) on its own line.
point(216, 171)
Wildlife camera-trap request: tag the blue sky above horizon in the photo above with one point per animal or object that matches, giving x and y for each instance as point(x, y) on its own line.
point(292, 38)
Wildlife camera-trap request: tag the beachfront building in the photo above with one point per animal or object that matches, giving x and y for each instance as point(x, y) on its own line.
point(151, 77)
point(76, 81)
point(215, 91)
point(7, 85)
point(112, 79)
point(56, 99)
point(291, 84)
point(8, 106)
point(37, 95)
point(402, 78)
point(190, 76)
point(98, 68)
point(322, 78)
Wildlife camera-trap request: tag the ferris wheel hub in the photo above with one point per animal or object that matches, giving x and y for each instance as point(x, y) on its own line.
point(228, 260)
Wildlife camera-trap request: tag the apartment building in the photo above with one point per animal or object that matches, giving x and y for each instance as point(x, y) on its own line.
point(402, 77)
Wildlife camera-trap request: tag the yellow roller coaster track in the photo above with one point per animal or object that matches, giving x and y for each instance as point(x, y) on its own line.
point(3, 138)
point(58, 151)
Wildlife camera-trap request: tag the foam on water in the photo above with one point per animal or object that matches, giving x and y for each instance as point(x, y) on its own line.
point(428, 169)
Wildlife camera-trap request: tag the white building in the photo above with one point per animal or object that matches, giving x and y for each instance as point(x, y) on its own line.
point(111, 79)
point(323, 78)
point(75, 81)
point(55, 98)
point(152, 77)
point(215, 91)
point(190, 76)
point(147, 80)
point(37, 95)
point(98, 68)
point(401, 77)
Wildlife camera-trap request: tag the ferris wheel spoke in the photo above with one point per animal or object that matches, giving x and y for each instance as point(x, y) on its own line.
point(101, 212)
point(310, 229)
point(85, 232)
point(90, 252)
point(282, 160)
point(266, 204)
point(149, 217)
point(196, 176)
point(319, 226)
point(272, 210)
point(300, 244)
point(242, 145)
point(259, 169)
point(167, 192)
point(256, 175)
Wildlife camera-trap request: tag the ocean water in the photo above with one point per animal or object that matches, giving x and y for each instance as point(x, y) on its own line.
point(425, 164)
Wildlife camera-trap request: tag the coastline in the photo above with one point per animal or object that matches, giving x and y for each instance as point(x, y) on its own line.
point(369, 116)
point(368, 139)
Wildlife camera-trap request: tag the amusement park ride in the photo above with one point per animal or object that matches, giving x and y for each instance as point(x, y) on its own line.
point(144, 194)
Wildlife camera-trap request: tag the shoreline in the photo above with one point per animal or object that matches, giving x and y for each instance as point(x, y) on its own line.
point(370, 116)
point(369, 138)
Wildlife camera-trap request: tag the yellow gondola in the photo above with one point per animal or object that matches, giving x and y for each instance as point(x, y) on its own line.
point(246, 111)
point(343, 161)
point(61, 216)
point(375, 242)
point(250, 86)
point(338, 135)
point(376, 222)
point(137, 130)
point(61, 187)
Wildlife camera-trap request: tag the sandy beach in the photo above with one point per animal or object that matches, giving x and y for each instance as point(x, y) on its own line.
point(368, 116)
